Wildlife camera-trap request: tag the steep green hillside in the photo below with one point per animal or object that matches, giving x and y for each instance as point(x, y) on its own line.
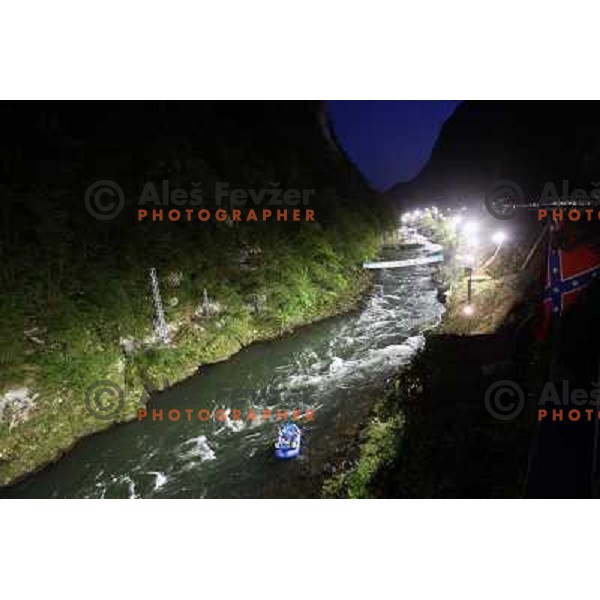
point(75, 306)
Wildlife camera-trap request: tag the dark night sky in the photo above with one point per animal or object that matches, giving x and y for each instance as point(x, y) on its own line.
point(390, 141)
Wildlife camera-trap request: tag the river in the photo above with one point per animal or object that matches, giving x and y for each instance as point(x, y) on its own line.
point(336, 367)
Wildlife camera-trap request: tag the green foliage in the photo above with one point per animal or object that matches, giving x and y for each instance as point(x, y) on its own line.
point(379, 449)
point(81, 285)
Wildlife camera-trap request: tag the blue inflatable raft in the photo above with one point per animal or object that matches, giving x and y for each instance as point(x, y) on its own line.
point(288, 441)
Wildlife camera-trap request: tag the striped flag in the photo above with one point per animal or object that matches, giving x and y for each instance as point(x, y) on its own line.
point(568, 273)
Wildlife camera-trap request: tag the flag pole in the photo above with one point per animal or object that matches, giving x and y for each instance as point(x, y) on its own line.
point(554, 332)
point(556, 326)
point(595, 450)
point(536, 244)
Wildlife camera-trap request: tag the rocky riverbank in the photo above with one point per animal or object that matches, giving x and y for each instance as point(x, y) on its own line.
point(139, 373)
point(431, 434)
point(75, 308)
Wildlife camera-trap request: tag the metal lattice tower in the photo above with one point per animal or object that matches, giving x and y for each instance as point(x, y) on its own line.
point(160, 324)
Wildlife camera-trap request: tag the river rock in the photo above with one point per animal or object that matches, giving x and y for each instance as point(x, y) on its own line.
point(128, 345)
point(16, 405)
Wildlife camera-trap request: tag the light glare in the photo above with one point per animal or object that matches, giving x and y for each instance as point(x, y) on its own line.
point(499, 237)
point(468, 310)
